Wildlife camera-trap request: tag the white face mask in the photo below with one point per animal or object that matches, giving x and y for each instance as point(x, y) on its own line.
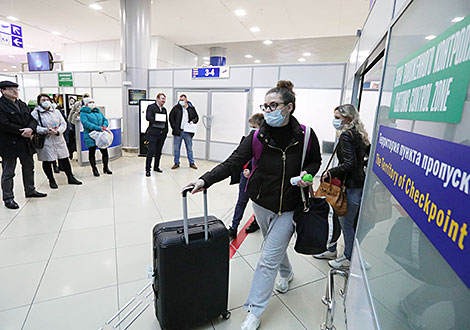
point(91, 105)
point(46, 104)
point(182, 103)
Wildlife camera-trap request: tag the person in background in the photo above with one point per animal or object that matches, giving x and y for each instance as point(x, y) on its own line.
point(72, 119)
point(274, 198)
point(156, 133)
point(52, 124)
point(255, 121)
point(181, 115)
point(17, 127)
point(93, 120)
point(353, 142)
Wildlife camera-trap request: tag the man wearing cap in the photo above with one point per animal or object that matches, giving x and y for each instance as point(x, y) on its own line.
point(17, 126)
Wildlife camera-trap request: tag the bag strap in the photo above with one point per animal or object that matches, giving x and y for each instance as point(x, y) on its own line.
point(39, 117)
point(304, 154)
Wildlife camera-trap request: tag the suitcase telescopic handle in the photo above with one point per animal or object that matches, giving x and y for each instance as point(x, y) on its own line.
point(185, 214)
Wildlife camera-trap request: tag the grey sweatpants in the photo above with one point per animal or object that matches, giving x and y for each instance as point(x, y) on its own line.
point(277, 231)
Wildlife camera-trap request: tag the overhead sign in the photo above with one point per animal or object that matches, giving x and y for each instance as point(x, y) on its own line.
point(430, 178)
point(11, 34)
point(65, 79)
point(211, 72)
point(432, 84)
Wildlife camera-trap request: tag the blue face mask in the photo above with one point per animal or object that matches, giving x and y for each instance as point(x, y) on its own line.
point(337, 124)
point(274, 118)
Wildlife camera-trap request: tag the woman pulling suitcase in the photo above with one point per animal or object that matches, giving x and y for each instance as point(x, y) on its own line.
point(274, 198)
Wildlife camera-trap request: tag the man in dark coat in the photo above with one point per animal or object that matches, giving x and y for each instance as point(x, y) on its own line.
point(182, 117)
point(17, 127)
point(156, 115)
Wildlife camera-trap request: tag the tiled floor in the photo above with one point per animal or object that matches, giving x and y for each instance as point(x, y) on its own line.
point(72, 260)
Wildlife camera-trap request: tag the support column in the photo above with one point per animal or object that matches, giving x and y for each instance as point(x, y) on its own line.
point(135, 49)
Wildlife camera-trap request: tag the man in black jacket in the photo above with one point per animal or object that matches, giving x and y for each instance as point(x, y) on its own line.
point(17, 127)
point(156, 132)
point(182, 116)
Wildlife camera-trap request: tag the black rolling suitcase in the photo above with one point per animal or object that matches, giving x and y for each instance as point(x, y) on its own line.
point(191, 267)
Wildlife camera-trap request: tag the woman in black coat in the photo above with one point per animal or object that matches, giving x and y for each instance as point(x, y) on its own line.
point(274, 198)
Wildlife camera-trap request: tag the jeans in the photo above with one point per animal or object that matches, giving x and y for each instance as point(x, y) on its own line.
point(241, 202)
point(8, 173)
point(188, 141)
point(154, 150)
point(353, 195)
point(277, 231)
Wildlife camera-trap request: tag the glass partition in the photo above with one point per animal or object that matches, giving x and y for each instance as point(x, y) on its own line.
point(411, 284)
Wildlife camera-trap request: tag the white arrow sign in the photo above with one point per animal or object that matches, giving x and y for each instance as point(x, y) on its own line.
point(17, 42)
point(16, 30)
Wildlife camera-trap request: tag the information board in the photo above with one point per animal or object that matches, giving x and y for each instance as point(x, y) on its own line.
point(211, 72)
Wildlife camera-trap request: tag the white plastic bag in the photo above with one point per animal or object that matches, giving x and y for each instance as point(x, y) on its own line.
point(102, 139)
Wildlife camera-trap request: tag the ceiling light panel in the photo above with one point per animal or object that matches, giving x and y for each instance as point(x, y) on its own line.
point(267, 42)
point(12, 18)
point(240, 12)
point(95, 6)
point(255, 29)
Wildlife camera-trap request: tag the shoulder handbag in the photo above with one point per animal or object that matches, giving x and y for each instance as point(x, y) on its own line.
point(317, 225)
point(335, 195)
point(38, 140)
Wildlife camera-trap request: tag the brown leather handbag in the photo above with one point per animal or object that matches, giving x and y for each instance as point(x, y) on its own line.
point(333, 194)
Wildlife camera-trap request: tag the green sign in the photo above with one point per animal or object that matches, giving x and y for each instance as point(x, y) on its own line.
point(65, 79)
point(432, 84)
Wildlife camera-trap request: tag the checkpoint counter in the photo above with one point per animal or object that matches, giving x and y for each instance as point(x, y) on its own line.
point(114, 150)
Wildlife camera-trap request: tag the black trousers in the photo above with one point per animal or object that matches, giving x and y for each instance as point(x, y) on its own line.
point(64, 164)
point(154, 150)
point(92, 158)
point(8, 173)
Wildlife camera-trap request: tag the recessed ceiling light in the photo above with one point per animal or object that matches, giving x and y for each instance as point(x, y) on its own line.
point(248, 56)
point(56, 33)
point(206, 62)
point(13, 66)
point(205, 58)
point(13, 18)
point(5, 69)
point(11, 56)
point(306, 54)
point(195, 58)
point(240, 12)
point(430, 37)
point(257, 61)
point(301, 59)
point(267, 42)
point(457, 19)
point(255, 29)
point(95, 6)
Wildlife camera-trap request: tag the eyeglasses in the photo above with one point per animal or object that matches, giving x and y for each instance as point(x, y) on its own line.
point(271, 106)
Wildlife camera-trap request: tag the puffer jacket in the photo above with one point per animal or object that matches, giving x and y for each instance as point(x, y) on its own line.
point(351, 152)
point(92, 120)
point(269, 185)
point(55, 146)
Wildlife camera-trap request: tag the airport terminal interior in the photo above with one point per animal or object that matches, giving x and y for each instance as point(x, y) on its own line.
point(168, 90)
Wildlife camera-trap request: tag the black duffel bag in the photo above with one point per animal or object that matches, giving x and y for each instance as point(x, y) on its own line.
point(317, 227)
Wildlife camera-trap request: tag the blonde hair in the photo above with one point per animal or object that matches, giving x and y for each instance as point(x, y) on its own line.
point(349, 111)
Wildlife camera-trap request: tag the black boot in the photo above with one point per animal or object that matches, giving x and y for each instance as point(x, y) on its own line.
point(55, 167)
point(95, 170)
point(53, 184)
point(73, 180)
point(106, 170)
point(252, 227)
point(232, 232)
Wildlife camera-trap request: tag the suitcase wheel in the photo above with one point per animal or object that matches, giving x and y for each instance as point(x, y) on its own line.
point(226, 315)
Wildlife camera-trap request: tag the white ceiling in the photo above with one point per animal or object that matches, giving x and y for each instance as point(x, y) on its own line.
point(184, 22)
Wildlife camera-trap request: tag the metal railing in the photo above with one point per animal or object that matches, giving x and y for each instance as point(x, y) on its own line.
point(329, 298)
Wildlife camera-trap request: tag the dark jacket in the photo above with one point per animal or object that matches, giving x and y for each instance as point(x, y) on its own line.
point(269, 184)
point(176, 115)
point(351, 153)
point(12, 119)
point(156, 127)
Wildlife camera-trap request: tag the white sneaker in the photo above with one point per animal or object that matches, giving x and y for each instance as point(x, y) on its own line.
point(282, 285)
point(251, 322)
point(340, 263)
point(326, 255)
